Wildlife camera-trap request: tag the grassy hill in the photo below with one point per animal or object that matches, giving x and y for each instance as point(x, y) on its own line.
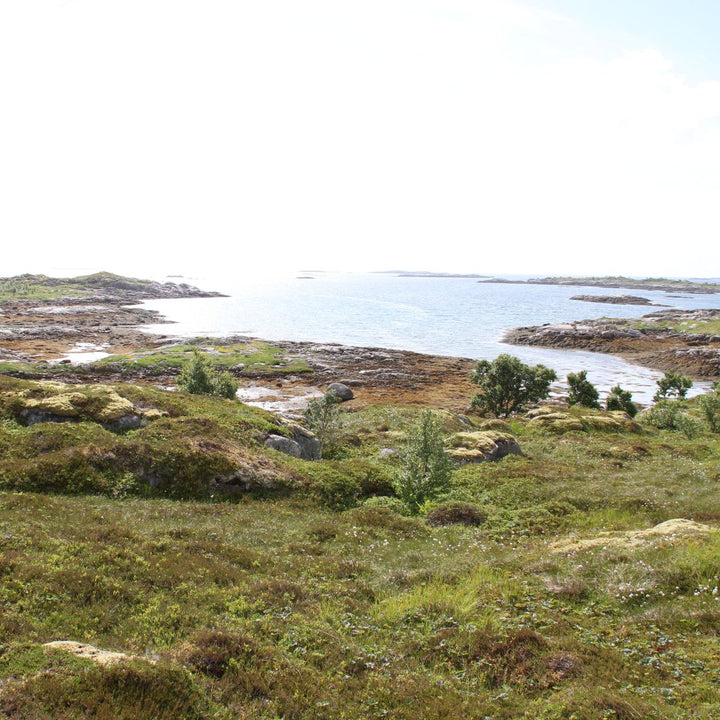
point(243, 583)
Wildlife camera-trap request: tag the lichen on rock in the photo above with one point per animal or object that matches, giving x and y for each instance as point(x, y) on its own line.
point(481, 446)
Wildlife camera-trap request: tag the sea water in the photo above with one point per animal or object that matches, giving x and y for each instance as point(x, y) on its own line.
point(439, 315)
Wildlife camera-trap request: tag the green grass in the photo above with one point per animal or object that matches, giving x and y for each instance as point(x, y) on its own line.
point(302, 603)
point(255, 356)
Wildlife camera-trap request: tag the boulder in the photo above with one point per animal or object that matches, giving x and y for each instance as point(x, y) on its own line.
point(300, 444)
point(342, 391)
point(481, 446)
point(284, 445)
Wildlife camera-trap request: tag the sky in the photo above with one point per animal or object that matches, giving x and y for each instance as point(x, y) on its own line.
point(241, 137)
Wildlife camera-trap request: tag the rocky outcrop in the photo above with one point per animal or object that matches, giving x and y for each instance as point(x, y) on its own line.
point(300, 442)
point(89, 652)
point(89, 403)
point(669, 532)
point(613, 299)
point(481, 446)
point(581, 420)
point(665, 340)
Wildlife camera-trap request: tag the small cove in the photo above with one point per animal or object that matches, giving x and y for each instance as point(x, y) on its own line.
point(442, 316)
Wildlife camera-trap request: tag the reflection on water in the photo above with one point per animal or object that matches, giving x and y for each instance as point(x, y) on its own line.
point(444, 316)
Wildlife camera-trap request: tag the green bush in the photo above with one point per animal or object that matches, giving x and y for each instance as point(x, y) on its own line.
point(669, 415)
point(455, 512)
point(199, 377)
point(619, 399)
point(389, 503)
point(710, 405)
point(582, 391)
point(508, 385)
point(672, 385)
point(323, 417)
point(425, 467)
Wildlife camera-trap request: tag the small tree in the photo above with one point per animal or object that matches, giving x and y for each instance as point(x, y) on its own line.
point(324, 417)
point(673, 385)
point(710, 405)
point(582, 391)
point(619, 399)
point(508, 385)
point(199, 377)
point(425, 467)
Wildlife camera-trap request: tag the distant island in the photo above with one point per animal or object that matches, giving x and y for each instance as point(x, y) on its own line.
point(619, 281)
point(423, 274)
point(613, 299)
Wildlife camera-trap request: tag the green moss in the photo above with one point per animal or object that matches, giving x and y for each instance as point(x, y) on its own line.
point(252, 357)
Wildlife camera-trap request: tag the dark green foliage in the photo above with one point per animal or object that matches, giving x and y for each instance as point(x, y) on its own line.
point(199, 377)
point(425, 467)
point(508, 385)
point(339, 484)
point(582, 391)
point(619, 399)
point(672, 385)
point(323, 417)
point(456, 512)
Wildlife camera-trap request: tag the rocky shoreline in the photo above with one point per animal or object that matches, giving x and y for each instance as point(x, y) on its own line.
point(41, 331)
point(664, 340)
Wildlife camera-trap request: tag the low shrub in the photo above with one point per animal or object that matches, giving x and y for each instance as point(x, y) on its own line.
point(669, 415)
point(455, 512)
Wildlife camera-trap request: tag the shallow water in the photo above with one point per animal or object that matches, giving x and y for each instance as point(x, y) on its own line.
point(443, 316)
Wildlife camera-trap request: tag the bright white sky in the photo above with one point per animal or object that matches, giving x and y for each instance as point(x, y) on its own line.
point(489, 136)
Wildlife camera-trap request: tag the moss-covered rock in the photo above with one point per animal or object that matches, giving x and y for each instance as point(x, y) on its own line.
point(481, 446)
point(55, 402)
point(580, 419)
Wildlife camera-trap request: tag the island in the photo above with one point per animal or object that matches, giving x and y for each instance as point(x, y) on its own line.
point(613, 299)
point(620, 281)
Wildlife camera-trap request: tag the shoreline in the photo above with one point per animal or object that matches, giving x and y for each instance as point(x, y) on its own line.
point(658, 340)
point(40, 331)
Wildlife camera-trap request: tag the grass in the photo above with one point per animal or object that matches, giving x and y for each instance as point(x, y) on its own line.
point(42, 287)
point(252, 357)
point(303, 603)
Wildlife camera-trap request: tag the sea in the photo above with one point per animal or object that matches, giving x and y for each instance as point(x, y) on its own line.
point(456, 316)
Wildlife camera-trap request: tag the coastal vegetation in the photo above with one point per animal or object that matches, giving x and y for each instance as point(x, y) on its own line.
point(579, 577)
point(516, 557)
point(507, 385)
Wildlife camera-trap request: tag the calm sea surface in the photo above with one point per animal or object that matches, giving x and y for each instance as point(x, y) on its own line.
point(443, 316)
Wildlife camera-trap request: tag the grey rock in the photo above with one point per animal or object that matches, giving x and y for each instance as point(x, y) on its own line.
point(342, 391)
point(284, 445)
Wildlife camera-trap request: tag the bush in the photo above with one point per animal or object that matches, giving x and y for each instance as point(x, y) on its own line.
point(425, 468)
point(620, 399)
point(582, 391)
point(199, 377)
point(324, 418)
point(672, 385)
point(508, 385)
point(668, 415)
point(455, 512)
point(710, 405)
